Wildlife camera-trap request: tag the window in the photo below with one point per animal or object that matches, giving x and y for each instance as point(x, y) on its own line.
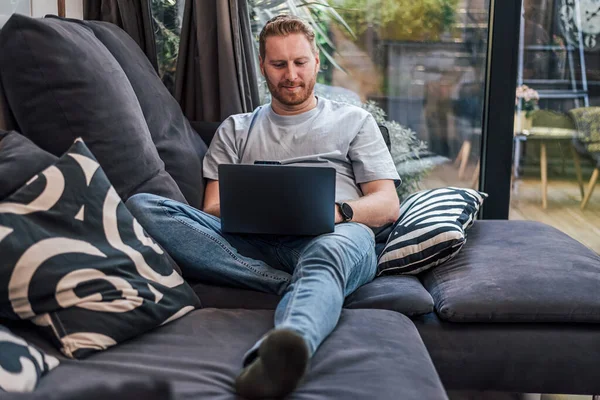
point(167, 17)
point(418, 66)
point(559, 81)
point(15, 6)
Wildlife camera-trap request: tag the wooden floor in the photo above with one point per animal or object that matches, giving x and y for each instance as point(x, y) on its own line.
point(563, 210)
point(479, 395)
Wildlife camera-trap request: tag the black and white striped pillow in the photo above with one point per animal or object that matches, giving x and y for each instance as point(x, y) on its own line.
point(430, 230)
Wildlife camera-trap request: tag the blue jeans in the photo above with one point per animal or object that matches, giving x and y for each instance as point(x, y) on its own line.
point(313, 274)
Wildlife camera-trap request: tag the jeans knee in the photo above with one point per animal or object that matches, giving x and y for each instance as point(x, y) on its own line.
point(358, 236)
point(141, 200)
point(141, 204)
point(350, 244)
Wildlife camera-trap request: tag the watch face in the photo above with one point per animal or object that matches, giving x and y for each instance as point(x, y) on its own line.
point(580, 20)
point(347, 211)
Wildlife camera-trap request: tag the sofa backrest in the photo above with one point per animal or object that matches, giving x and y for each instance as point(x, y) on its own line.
point(6, 122)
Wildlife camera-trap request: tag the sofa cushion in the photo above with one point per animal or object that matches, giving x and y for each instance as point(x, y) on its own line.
point(430, 230)
point(201, 355)
point(530, 357)
point(76, 262)
point(229, 297)
point(6, 121)
point(62, 83)
point(118, 388)
point(178, 145)
point(518, 271)
point(404, 294)
point(205, 129)
point(21, 364)
point(20, 159)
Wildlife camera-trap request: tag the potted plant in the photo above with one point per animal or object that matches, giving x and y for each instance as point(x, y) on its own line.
point(526, 101)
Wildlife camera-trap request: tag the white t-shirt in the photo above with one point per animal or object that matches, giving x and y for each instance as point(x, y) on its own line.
point(332, 134)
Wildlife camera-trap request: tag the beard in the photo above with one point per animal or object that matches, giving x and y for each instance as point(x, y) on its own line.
point(298, 96)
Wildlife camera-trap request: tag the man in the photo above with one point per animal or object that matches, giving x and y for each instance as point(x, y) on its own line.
point(312, 274)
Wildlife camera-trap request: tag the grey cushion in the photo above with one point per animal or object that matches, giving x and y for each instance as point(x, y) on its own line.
point(117, 388)
point(178, 145)
point(226, 297)
point(201, 354)
point(20, 159)
point(6, 121)
point(205, 129)
point(514, 357)
point(518, 271)
point(403, 294)
point(62, 83)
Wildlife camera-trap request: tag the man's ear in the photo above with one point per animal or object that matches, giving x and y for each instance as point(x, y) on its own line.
point(318, 62)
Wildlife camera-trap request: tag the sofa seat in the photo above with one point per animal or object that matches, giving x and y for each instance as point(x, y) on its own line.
point(517, 271)
point(403, 294)
point(513, 357)
point(372, 354)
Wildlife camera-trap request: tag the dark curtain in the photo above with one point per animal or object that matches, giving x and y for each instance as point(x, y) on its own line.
point(215, 69)
point(133, 16)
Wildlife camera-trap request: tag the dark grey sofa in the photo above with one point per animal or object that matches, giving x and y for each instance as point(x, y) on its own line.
point(517, 310)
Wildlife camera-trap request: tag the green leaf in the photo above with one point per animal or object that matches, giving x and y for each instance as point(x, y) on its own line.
point(268, 3)
point(331, 59)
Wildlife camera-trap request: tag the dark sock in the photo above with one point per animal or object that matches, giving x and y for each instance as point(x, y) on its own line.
point(281, 363)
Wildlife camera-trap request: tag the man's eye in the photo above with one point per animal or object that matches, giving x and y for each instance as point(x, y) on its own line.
point(279, 65)
point(301, 63)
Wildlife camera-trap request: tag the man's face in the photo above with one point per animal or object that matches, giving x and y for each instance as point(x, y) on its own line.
point(290, 68)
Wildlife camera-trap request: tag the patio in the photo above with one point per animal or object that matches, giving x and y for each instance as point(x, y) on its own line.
point(563, 210)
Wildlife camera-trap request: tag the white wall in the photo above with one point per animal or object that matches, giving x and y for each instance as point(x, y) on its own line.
point(39, 8)
point(75, 9)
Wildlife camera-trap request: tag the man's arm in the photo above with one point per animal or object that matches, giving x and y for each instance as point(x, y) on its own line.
point(379, 206)
point(211, 198)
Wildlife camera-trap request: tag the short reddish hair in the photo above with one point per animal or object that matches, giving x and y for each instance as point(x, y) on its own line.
point(283, 25)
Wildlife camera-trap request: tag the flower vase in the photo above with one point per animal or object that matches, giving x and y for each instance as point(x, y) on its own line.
point(522, 123)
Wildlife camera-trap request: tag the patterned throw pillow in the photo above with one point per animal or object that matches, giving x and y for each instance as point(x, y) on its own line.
point(21, 364)
point(76, 263)
point(430, 230)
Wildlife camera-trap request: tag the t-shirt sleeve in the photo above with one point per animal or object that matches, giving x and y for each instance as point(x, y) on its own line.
point(370, 157)
point(222, 150)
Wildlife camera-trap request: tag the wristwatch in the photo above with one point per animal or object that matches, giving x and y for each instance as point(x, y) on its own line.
point(346, 211)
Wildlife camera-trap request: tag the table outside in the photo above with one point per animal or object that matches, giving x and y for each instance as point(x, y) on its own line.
point(544, 135)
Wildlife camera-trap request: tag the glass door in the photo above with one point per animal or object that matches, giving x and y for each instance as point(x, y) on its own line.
point(418, 66)
point(557, 118)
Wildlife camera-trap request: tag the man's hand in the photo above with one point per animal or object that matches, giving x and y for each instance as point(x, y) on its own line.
point(211, 198)
point(338, 215)
point(378, 207)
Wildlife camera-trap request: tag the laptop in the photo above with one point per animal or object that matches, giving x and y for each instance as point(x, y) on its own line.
point(277, 199)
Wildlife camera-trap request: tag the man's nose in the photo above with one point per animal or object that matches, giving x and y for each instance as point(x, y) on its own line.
point(291, 74)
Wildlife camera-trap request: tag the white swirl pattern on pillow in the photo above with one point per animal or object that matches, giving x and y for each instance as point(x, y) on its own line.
point(21, 364)
point(78, 256)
